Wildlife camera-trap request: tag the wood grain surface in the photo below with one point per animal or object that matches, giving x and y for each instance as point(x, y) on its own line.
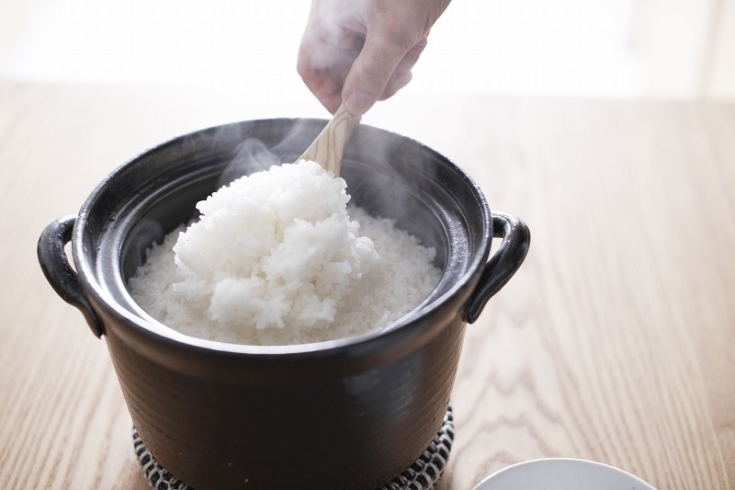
point(329, 147)
point(615, 341)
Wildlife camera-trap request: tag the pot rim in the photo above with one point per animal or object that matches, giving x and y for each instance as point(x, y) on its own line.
point(142, 323)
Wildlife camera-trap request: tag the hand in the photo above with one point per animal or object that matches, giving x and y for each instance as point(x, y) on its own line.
point(361, 51)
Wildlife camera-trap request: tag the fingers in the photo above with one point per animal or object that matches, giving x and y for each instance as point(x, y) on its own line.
point(325, 82)
point(326, 52)
point(402, 74)
point(363, 51)
point(375, 67)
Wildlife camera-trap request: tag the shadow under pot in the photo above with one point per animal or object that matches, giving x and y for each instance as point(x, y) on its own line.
point(348, 413)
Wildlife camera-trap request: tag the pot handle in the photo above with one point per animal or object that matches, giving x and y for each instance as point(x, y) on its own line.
point(502, 265)
point(58, 271)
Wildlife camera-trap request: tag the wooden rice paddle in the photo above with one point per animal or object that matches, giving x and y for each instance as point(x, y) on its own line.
point(329, 147)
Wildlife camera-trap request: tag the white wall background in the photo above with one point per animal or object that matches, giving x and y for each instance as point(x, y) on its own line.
point(682, 49)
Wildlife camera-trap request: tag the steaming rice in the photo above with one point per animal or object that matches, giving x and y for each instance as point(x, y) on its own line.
point(276, 259)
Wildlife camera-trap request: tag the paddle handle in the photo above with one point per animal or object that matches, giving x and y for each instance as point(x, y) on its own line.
point(328, 148)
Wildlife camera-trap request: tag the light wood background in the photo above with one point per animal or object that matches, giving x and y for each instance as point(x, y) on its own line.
point(615, 342)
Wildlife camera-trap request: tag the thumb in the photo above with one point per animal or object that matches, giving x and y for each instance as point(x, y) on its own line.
point(370, 73)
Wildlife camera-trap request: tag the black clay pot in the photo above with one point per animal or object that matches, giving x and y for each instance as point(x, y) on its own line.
point(350, 413)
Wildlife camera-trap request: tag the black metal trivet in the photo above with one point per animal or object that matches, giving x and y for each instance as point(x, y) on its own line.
point(421, 475)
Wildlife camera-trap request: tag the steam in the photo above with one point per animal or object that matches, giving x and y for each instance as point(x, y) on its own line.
point(333, 39)
point(250, 156)
point(375, 166)
point(333, 33)
point(387, 175)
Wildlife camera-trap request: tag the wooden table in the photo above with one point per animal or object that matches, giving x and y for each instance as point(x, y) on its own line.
point(615, 341)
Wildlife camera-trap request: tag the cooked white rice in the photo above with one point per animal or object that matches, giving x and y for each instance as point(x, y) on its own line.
point(276, 259)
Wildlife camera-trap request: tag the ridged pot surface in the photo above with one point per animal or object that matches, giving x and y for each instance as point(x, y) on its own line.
point(350, 413)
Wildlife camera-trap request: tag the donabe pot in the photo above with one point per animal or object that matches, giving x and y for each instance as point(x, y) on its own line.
point(350, 413)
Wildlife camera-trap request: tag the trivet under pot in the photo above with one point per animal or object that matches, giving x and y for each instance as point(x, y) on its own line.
point(421, 475)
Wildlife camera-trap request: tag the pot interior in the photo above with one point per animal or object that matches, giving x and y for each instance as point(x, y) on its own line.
point(388, 175)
